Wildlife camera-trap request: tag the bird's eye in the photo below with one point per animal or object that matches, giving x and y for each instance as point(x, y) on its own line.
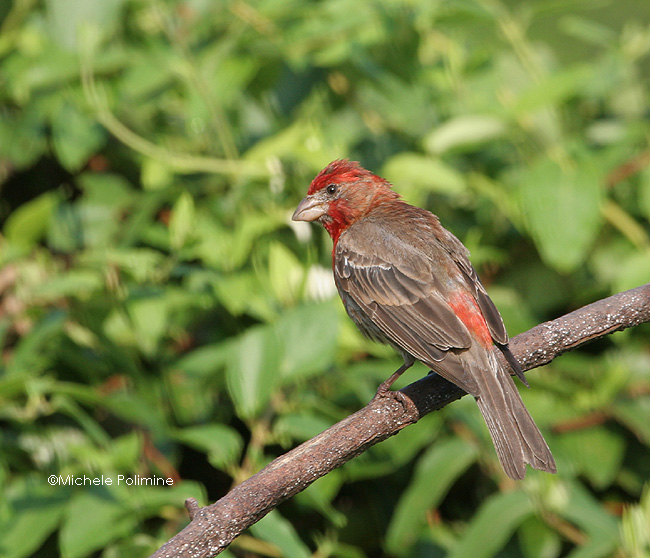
point(331, 189)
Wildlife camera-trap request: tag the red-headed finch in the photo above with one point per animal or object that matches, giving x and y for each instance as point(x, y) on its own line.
point(408, 282)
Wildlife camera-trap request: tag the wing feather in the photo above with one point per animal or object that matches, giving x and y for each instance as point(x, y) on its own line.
point(460, 255)
point(386, 294)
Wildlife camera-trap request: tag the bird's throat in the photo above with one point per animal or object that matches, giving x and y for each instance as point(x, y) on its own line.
point(339, 217)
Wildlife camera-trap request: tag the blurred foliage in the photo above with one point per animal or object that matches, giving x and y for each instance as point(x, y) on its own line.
point(161, 315)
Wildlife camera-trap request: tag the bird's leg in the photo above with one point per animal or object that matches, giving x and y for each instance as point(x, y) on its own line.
point(384, 387)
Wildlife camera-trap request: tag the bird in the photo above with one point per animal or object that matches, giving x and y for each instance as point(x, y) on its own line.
point(406, 281)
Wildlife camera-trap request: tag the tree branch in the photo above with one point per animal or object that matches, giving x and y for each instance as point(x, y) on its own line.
point(214, 527)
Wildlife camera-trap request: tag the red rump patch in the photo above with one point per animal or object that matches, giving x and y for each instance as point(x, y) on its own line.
point(467, 310)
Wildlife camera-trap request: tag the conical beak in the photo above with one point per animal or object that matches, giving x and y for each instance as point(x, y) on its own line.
point(309, 209)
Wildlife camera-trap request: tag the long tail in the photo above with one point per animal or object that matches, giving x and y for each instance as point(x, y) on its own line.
point(515, 435)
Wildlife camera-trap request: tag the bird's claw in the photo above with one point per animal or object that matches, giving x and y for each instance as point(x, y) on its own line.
point(384, 392)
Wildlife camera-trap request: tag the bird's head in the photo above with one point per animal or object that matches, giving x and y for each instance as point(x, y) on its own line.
point(342, 193)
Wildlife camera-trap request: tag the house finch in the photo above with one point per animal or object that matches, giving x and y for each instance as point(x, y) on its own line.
point(406, 281)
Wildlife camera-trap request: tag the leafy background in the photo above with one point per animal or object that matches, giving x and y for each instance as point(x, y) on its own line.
point(161, 315)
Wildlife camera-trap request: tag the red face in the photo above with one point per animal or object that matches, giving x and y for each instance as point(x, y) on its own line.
point(340, 194)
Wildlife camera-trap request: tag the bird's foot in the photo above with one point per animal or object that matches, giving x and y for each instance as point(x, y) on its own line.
point(384, 392)
point(384, 388)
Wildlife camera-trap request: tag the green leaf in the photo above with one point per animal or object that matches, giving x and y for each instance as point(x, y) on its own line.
point(588, 30)
point(587, 513)
point(106, 189)
point(203, 361)
point(243, 293)
point(403, 105)
point(222, 444)
point(75, 136)
point(106, 197)
point(66, 16)
point(65, 232)
point(253, 370)
point(397, 451)
point(537, 540)
point(435, 472)
point(632, 270)
point(154, 174)
point(309, 339)
point(31, 355)
point(414, 174)
point(150, 318)
point(493, 525)
point(28, 223)
point(286, 273)
point(563, 209)
point(182, 221)
point(320, 494)
point(635, 414)
point(595, 452)
point(22, 137)
point(635, 534)
point(300, 426)
point(77, 283)
point(36, 511)
point(226, 247)
point(581, 507)
point(277, 530)
point(557, 87)
point(464, 131)
point(191, 395)
point(232, 75)
point(94, 518)
point(141, 264)
point(135, 409)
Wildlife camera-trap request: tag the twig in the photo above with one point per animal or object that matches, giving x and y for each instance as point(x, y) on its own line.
point(214, 527)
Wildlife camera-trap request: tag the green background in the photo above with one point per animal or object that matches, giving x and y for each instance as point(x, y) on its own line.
point(161, 315)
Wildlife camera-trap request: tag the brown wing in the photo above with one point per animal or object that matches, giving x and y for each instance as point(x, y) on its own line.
point(403, 298)
point(492, 316)
point(494, 321)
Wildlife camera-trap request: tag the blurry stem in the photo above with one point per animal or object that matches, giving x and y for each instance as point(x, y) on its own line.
point(629, 168)
point(252, 17)
point(179, 162)
point(565, 528)
point(11, 24)
point(198, 82)
point(580, 423)
point(155, 457)
point(626, 224)
point(515, 35)
point(259, 437)
point(560, 156)
point(514, 32)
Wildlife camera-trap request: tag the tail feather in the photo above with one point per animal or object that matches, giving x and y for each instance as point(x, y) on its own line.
point(515, 435)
